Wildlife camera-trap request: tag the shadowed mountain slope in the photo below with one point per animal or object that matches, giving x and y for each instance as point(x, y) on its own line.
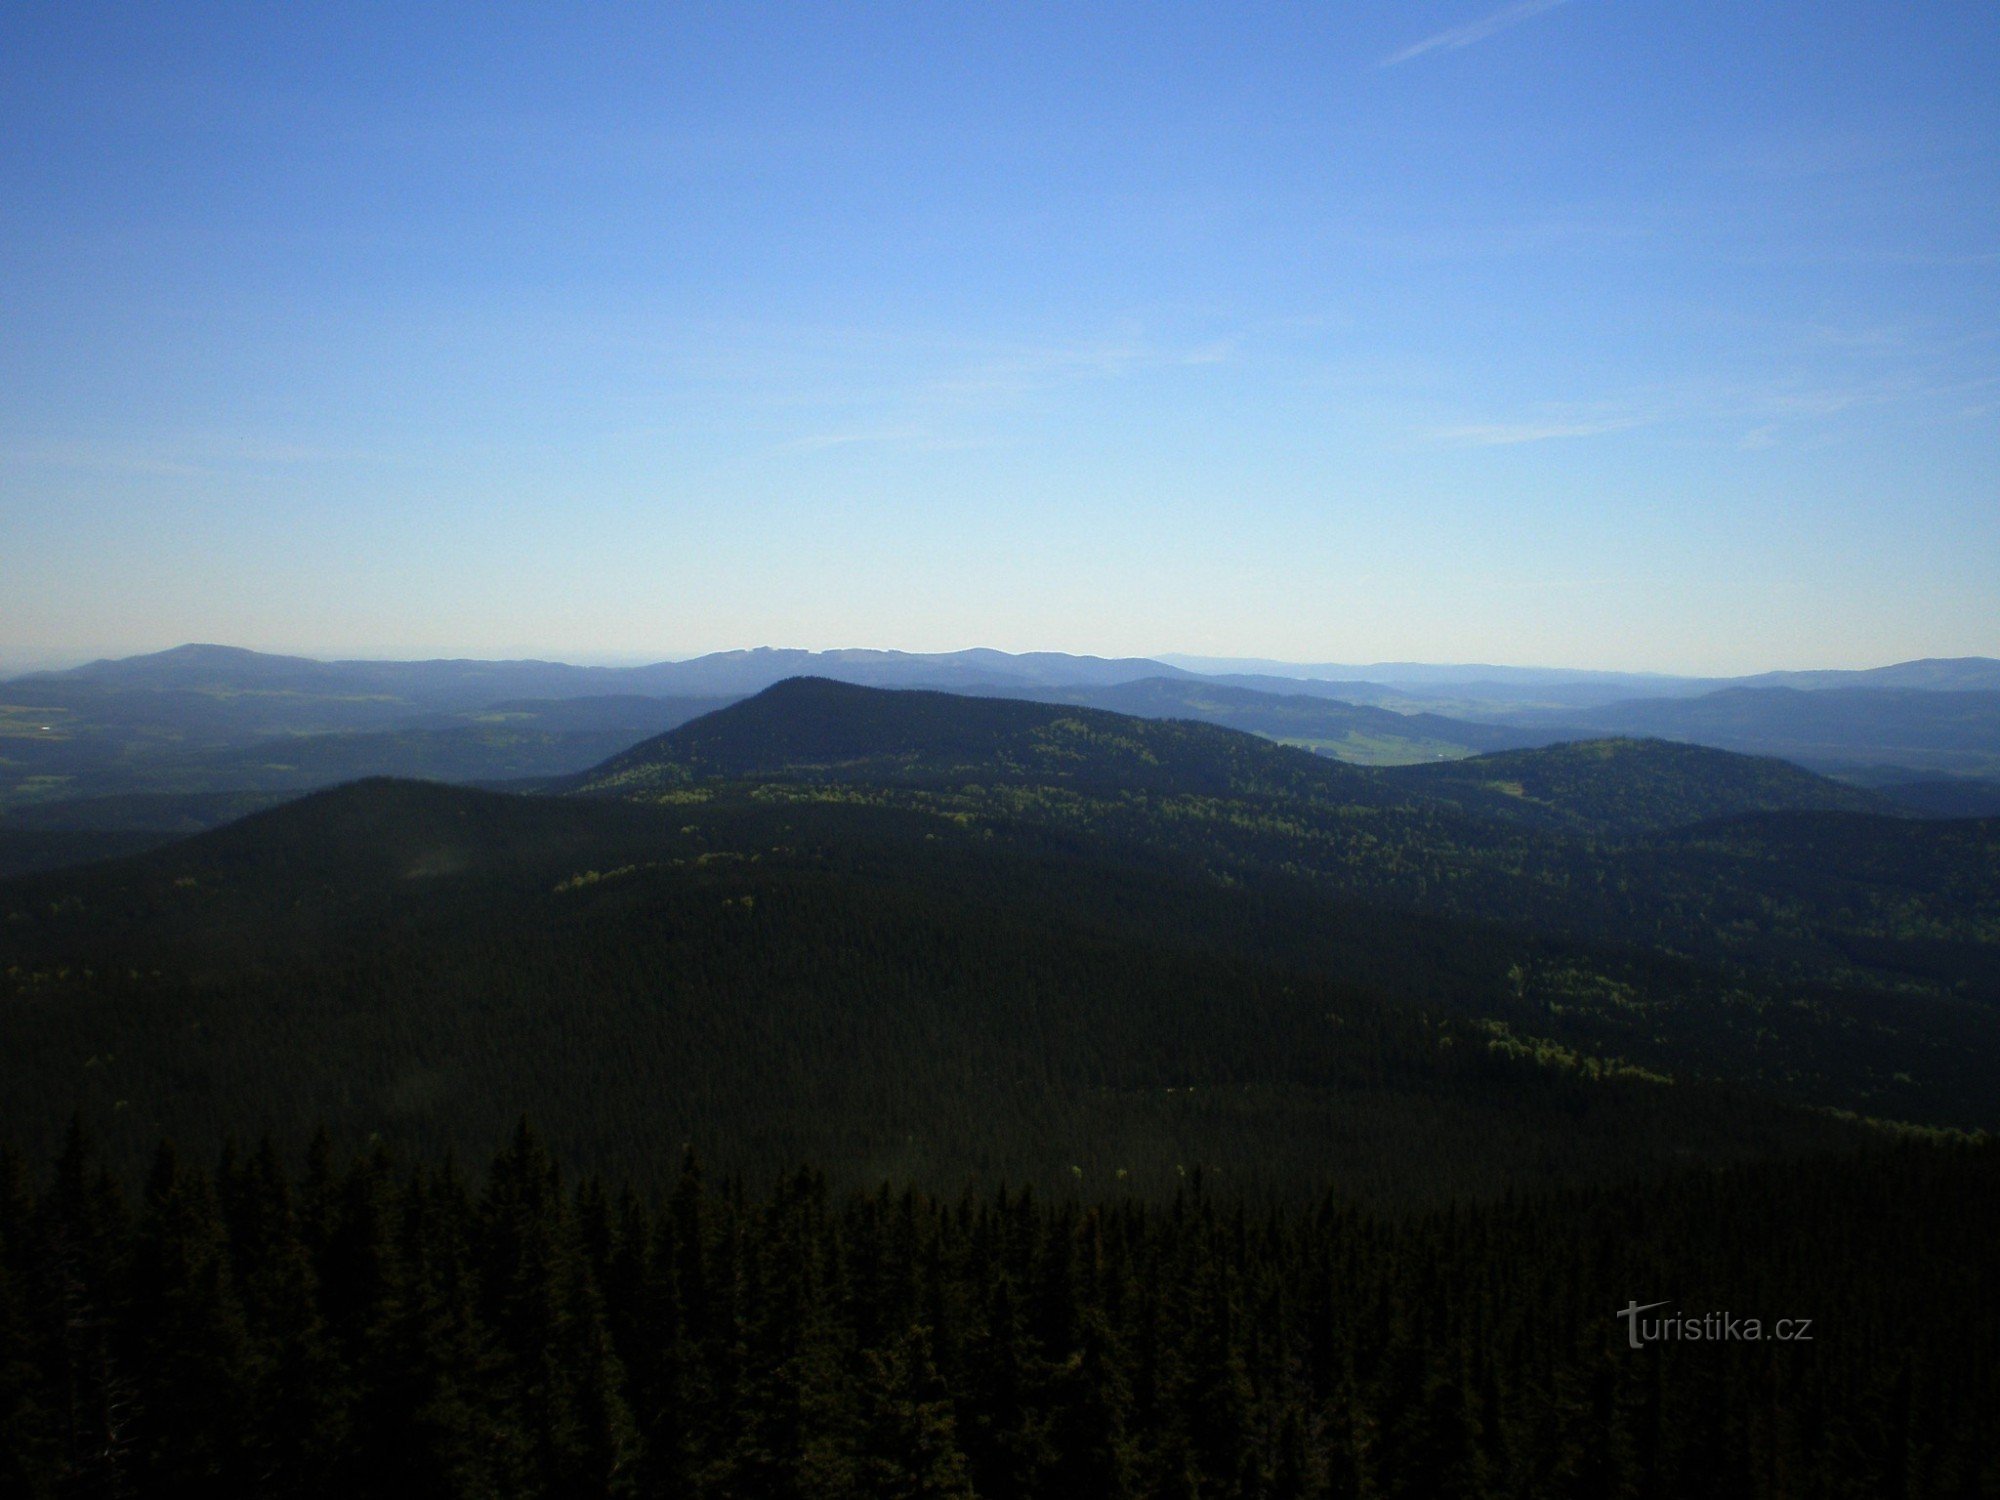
point(812, 728)
point(1357, 733)
point(1964, 797)
point(25, 850)
point(815, 729)
point(1622, 786)
point(882, 990)
point(1573, 840)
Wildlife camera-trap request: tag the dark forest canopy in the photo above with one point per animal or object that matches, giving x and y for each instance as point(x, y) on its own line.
point(874, 988)
point(371, 1325)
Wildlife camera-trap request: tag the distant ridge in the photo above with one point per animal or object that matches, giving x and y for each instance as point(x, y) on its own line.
point(457, 681)
point(200, 665)
point(1937, 674)
point(1309, 718)
point(1932, 673)
point(1426, 674)
point(817, 728)
point(1629, 786)
point(1829, 727)
point(210, 719)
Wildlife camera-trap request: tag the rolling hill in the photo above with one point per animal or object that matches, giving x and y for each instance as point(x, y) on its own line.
point(1623, 786)
point(813, 728)
point(1579, 855)
point(914, 934)
point(1949, 674)
point(1354, 732)
point(211, 719)
point(879, 990)
point(1955, 732)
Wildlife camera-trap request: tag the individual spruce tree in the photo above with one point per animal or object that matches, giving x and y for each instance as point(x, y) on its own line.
point(1215, 1401)
point(794, 1408)
point(1348, 1435)
point(908, 1444)
point(662, 1364)
point(318, 1200)
point(351, 1222)
point(699, 1246)
point(81, 1240)
point(1087, 1401)
point(1438, 1454)
point(730, 1263)
point(421, 1420)
point(1297, 1472)
point(592, 1228)
point(296, 1424)
point(1006, 1439)
point(27, 1443)
point(522, 1255)
point(941, 1296)
point(1492, 1422)
point(184, 1343)
point(27, 1438)
point(1153, 1354)
point(17, 1212)
point(607, 1456)
point(558, 1378)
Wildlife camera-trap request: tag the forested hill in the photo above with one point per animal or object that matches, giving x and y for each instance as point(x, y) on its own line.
point(1581, 842)
point(1357, 732)
point(1626, 786)
point(814, 728)
point(1953, 733)
point(880, 990)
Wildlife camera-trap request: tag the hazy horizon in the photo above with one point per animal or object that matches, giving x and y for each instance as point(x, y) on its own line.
point(1191, 661)
point(1559, 332)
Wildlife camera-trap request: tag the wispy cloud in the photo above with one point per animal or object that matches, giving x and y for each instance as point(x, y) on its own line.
point(180, 456)
point(1021, 371)
point(886, 389)
point(1754, 414)
point(1507, 434)
point(849, 438)
point(1473, 31)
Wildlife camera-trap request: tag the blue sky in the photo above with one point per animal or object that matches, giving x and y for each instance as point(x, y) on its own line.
point(1597, 333)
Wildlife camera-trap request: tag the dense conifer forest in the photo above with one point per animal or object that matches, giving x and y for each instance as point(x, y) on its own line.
point(373, 1325)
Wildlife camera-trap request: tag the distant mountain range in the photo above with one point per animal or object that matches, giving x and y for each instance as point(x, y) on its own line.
point(1952, 731)
point(202, 721)
point(460, 682)
point(1940, 674)
point(453, 684)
